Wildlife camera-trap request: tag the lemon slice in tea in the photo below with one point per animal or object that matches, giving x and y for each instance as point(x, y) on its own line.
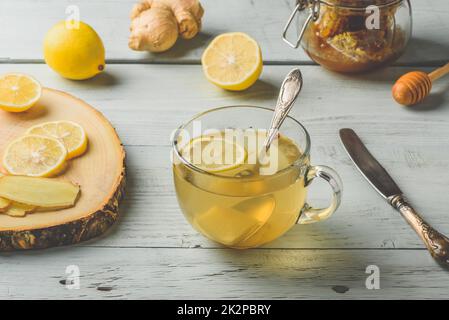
point(35, 156)
point(214, 154)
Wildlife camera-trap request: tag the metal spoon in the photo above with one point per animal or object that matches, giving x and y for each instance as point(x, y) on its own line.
point(290, 88)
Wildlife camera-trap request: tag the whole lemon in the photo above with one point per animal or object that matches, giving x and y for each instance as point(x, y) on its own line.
point(75, 53)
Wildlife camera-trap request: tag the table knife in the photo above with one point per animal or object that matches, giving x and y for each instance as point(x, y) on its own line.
point(381, 181)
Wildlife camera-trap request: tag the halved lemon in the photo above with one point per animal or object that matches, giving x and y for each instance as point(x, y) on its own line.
point(232, 61)
point(71, 134)
point(214, 154)
point(18, 92)
point(35, 156)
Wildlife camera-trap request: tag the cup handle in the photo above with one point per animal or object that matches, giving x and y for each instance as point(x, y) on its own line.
point(311, 215)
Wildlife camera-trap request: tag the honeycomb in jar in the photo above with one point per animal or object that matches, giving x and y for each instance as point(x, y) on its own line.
point(342, 31)
point(360, 47)
point(329, 24)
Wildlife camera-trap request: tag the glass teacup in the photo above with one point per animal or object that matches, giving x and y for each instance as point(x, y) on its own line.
point(235, 205)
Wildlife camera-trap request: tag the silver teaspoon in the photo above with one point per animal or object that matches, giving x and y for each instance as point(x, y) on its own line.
point(290, 88)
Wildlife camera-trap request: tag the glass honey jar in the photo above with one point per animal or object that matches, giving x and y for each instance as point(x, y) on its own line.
point(351, 35)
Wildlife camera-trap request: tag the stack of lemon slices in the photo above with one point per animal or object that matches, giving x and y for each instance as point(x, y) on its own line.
point(44, 149)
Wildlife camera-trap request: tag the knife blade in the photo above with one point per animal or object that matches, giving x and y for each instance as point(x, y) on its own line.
point(368, 166)
point(436, 242)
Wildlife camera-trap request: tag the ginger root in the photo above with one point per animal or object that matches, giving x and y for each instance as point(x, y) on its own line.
point(156, 24)
point(4, 204)
point(47, 194)
point(20, 210)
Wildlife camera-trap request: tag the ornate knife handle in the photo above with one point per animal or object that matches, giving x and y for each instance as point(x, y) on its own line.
point(436, 243)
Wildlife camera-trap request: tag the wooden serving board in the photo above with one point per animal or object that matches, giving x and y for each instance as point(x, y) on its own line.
point(100, 172)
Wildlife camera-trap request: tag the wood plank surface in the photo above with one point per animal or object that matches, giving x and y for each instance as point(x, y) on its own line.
point(153, 253)
point(139, 273)
point(413, 144)
point(23, 31)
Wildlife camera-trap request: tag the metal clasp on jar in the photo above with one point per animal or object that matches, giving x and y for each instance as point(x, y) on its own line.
point(314, 8)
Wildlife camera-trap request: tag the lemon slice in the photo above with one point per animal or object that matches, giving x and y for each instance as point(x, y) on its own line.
point(71, 135)
point(35, 156)
point(214, 154)
point(232, 61)
point(18, 92)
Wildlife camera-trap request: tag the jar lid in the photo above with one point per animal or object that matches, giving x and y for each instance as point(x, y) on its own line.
point(359, 3)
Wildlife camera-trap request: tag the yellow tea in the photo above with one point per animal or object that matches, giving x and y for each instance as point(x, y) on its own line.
point(233, 197)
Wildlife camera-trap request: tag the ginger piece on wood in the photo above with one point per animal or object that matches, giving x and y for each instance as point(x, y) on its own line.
point(20, 209)
point(47, 194)
point(156, 24)
point(4, 204)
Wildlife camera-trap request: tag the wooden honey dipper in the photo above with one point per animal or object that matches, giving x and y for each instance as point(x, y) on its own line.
point(414, 86)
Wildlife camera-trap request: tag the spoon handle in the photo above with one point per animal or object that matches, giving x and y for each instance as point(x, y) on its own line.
point(290, 88)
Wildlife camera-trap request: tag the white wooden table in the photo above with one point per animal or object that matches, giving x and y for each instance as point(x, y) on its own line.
point(154, 253)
